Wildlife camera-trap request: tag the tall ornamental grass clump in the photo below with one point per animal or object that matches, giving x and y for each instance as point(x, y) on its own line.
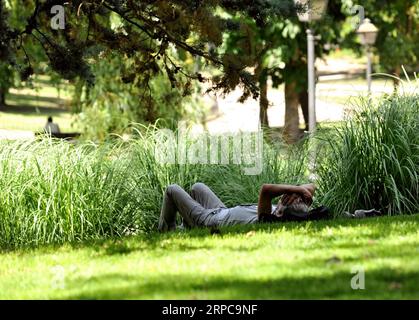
point(56, 192)
point(372, 161)
point(280, 164)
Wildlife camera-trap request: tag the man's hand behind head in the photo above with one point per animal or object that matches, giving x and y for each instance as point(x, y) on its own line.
point(289, 199)
point(303, 195)
point(307, 195)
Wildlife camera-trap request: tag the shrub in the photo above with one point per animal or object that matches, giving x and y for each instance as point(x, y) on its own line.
point(280, 165)
point(372, 161)
point(114, 102)
point(56, 192)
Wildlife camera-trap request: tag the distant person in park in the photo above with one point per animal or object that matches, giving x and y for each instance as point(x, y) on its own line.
point(202, 208)
point(51, 127)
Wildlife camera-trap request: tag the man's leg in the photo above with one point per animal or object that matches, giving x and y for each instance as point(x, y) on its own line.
point(206, 197)
point(178, 200)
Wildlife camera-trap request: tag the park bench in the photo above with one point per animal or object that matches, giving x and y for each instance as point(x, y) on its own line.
point(61, 135)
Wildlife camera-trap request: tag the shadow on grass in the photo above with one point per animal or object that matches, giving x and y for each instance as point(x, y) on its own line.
point(29, 97)
point(379, 228)
point(32, 110)
point(379, 284)
point(47, 82)
point(173, 241)
point(119, 247)
point(21, 104)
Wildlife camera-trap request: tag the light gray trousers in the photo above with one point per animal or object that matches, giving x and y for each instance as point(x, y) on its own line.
point(196, 208)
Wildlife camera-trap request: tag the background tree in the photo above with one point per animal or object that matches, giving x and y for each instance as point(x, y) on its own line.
point(285, 45)
point(150, 30)
point(293, 51)
point(5, 55)
point(20, 56)
point(398, 33)
point(279, 52)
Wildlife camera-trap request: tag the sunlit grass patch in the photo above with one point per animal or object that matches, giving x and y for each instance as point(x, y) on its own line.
point(287, 261)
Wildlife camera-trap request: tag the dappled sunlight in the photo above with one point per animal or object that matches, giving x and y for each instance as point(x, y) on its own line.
point(307, 260)
point(209, 149)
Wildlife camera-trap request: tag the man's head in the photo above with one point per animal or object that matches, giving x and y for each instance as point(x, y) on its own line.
point(49, 119)
point(297, 207)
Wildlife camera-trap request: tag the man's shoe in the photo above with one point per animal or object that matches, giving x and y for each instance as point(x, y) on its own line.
point(366, 213)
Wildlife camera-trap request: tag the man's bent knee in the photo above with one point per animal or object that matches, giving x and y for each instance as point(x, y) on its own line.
point(198, 186)
point(171, 188)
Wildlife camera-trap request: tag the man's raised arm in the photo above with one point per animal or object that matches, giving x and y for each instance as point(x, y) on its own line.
point(270, 191)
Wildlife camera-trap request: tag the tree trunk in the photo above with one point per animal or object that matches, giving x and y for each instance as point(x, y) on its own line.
point(77, 96)
point(303, 97)
point(2, 98)
point(263, 103)
point(396, 82)
point(291, 128)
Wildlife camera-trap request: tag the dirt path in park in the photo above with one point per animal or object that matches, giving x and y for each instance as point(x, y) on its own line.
point(333, 100)
point(16, 135)
point(335, 93)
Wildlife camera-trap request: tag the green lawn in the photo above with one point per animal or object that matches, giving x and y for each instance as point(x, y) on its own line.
point(28, 108)
point(34, 121)
point(308, 260)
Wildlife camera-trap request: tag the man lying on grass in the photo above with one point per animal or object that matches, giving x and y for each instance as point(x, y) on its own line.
point(202, 208)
